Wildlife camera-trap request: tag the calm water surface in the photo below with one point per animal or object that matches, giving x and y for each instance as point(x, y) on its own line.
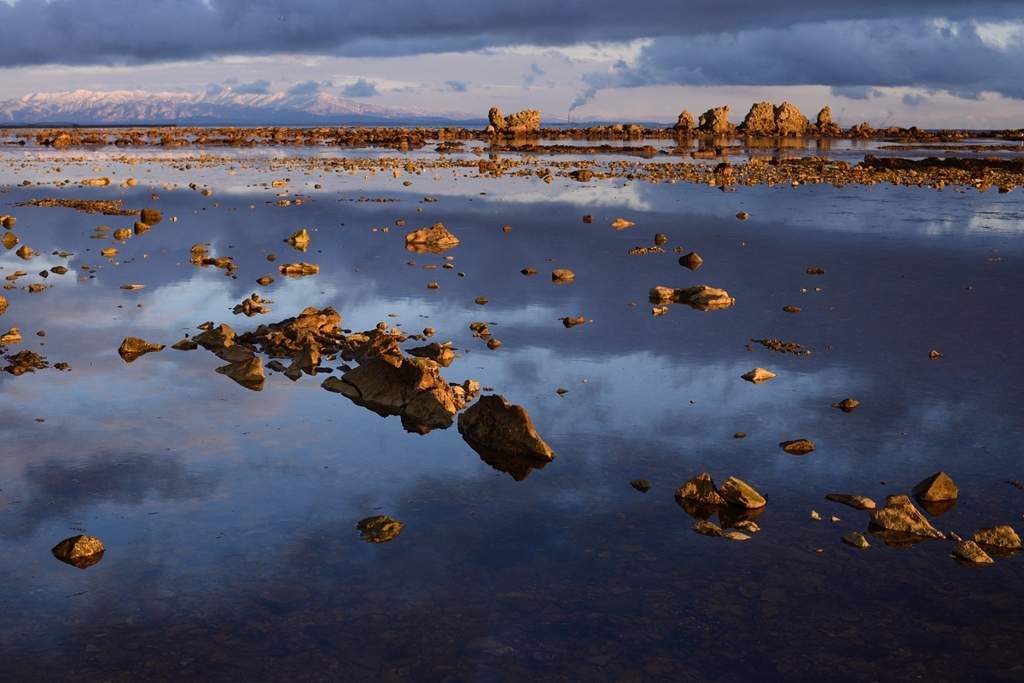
point(228, 515)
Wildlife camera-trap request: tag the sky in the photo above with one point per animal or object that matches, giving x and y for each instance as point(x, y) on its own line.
point(941, 63)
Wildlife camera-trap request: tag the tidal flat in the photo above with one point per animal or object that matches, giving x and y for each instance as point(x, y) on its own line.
point(228, 508)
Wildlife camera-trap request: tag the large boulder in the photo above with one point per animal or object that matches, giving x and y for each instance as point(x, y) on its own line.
point(435, 239)
point(789, 121)
point(701, 490)
point(700, 297)
point(997, 536)
point(501, 426)
point(716, 121)
point(525, 121)
point(248, 373)
point(783, 120)
point(935, 488)
point(685, 122)
point(413, 389)
point(760, 120)
point(900, 515)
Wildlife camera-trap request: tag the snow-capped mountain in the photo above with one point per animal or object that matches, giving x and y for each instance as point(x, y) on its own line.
point(225, 106)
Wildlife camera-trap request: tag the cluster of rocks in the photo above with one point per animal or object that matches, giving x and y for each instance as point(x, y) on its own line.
point(736, 503)
point(900, 523)
point(699, 297)
point(763, 120)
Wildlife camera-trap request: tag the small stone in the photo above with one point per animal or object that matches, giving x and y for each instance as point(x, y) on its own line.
point(743, 215)
point(997, 536)
point(480, 300)
point(493, 344)
point(739, 435)
point(562, 275)
point(435, 239)
point(791, 309)
point(561, 391)
point(570, 322)
point(846, 405)
point(815, 516)
point(433, 285)
point(507, 228)
point(528, 271)
point(641, 485)
point(706, 528)
point(758, 375)
point(815, 271)
point(24, 252)
point(79, 551)
point(265, 280)
point(968, 551)
point(659, 310)
point(692, 260)
point(747, 525)
point(935, 488)
point(735, 536)
point(299, 239)
point(621, 224)
point(855, 539)
point(185, 345)
point(934, 354)
point(378, 529)
point(798, 447)
point(854, 501)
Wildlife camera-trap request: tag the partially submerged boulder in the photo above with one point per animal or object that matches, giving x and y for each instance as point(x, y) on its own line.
point(797, 447)
point(215, 338)
point(701, 490)
point(435, 240)
point(935, 488)
point(758, 375)
point(562, 275)
point(847, 405)
point(298, 269)
point(998, 537)
point(501, 426)
point(248, 373)
point(900, 515)
point(79, 551)
point(299, 239)
point(442, 354)
point(855, 539)
point(525, 121)
point(701, 297)
point(969, 552)
point(133, 347)
point(740, 493)
point(150, 216)
point(692, 260)
point(413, 389)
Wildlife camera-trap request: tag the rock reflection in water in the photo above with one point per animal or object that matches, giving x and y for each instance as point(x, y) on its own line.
point(517, 466)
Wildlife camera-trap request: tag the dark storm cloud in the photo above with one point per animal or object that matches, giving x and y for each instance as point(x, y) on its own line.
point(361, 88)
point(872, 42)
point(852, 56)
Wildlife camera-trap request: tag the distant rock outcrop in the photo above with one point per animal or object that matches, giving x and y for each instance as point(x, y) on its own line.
point(716, 121)
point(825, 125)
point(767, 119)
point(525, 121)
point(685, 123)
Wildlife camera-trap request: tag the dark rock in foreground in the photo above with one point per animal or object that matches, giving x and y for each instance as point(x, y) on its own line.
point(937, 487)
point(501, 426)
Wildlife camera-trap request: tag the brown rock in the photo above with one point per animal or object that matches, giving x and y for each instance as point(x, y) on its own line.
point(856, 540)
point(758, 375)
point(299, 239)
point(526, 121)
point(133, 347)
point(185, 345)
point(716, 121)
point(798, 447)
point(900, 515)
point(692, 260)
point(641, 485)
point(931, 354)
point(298, 269)
point(9, 240)
point(701, 491)
point(442, 354)
point(24, 252)
point(997, 536)
point(969, 552)
point(3, 305)
point(701, 297)
point(435, 240)
point(248, 373)
point(706, 528)
point(742, 494)
point(215, 338)
point(501, 426)
point(150, 216)
point(789, 121)
point(935, 488)
point(846, 405)
point(622, 224)
point(760, 120)
point(854, 501)
point(378, 529)
point(562, 275)
point(685, 122)
point(79, 551)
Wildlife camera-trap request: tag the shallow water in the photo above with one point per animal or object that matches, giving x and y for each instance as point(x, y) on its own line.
point(229, 515)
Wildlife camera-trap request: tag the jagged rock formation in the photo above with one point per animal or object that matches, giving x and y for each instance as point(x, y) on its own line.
point(716, 121)
point(825, 125)
point(525, 121)
point(783, 120)
point(685, 122)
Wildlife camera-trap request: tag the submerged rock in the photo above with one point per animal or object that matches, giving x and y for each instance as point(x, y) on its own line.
point(378, 529)
point(969, 552)
point(997, 536)
point(641, 485)
point(518, 467)
point(846, 405)
point(705, 528)
point(501, 426)
point(701, 490)
point(936, 488)
point(740, 493)
point(701, 297)
point(758, 375)
point(25, 361)
point(133, 347)
point(854, 501)
point(435, 240)
point(900, 515)
point(298, 269)
point(79, 551)
point(798, 447)
point(185, 345)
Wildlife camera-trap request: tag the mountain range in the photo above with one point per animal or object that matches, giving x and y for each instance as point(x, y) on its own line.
point(226, 107)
